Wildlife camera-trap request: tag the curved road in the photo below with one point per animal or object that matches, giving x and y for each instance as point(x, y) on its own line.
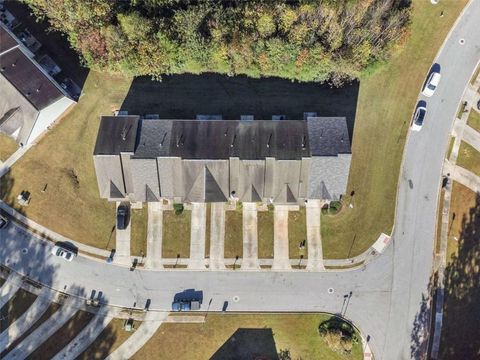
point(386, 296)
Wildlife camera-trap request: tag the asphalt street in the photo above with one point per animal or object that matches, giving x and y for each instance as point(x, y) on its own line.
point(386, 296)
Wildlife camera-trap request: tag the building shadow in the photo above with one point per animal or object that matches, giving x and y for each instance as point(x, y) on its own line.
point(247, 344)
point(461, 298)
point(53, 44)
point(186, 96)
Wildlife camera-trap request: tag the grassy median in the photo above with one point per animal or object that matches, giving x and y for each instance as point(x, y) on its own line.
point(385, 105)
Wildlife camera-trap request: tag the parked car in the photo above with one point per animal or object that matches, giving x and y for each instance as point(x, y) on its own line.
point(431, 84)
point(418, 118)
point(122, 217)
point(61, 251)
point(186, 305)
point(3, 221)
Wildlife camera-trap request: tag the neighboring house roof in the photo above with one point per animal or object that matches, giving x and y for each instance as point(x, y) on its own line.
point(26, 90)
point(7, 41)
point(329, 136)
point(28, 79)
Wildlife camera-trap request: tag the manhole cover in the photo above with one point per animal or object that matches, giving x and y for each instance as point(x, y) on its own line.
point(236, 298)
point(461, 41)
point(24, 250)
point(330, 290)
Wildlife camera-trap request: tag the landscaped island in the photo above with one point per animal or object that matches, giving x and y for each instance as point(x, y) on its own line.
point(303, 40)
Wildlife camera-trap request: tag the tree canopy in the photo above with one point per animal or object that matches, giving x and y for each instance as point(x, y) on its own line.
point(306, 40)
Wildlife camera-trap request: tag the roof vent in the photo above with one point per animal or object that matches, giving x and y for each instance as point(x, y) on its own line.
point(38, 90)
point(233, 141)
point(29, 93)
point(181, 140)
point(3, 68)
point(269, 139)
point(163, 139)
point(304, 142)
point(125, 132)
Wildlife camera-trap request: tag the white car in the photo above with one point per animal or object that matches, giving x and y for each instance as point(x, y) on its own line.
point(63, 253)
point(432, 83)
point(418, 118)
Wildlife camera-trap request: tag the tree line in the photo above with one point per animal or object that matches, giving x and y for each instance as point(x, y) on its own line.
point(305, 40)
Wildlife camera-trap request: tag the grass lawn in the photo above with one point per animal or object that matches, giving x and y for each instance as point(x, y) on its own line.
point(15, 307)
point(49, 312)
point(139, 220)
point(70, 206)
point(46, 315)
point(386, 101)
point(108, 341)
point(255, 336)
point(233, 233)
point(459, 337)
point(7, 147)
point(62, 336)
point(265, 233)
point(297, 232)
point(176, 234)
point(439, 221)
point(462, 200)
point(474, 120)
point(469, 158)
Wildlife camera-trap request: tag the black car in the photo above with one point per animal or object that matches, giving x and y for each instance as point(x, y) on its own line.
point(122, 217)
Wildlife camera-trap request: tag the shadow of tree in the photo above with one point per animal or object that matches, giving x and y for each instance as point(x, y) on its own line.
point(27, 260)
point(461, 294)
point(460, 331)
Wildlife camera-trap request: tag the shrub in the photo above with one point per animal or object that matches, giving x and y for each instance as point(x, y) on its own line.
point(178, 208)
point(339, 335)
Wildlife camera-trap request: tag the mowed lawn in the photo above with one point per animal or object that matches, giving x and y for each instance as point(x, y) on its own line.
point(469, 158)
point(474, 120)
point(62, 163)
point(386, 101)
point(249, 336)
point(7, 147)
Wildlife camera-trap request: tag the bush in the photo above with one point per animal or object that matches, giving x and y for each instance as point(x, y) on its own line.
point(339, 335)
point(178, 208)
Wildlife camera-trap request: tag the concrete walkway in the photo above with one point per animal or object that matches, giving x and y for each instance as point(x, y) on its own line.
point(138, 339)
point(197, 236)
point(250, 237)
point(89, 333)
point(217, 236)
point(314, 238)
point(122, 247)
point(281, 259)
point(466, 178)
point(7, 291)
point(44, 331)
point(28, 318)
point(461, 131)
point(153, 259)
point(472, 137)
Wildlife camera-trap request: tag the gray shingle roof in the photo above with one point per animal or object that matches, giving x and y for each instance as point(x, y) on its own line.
point(328, 136)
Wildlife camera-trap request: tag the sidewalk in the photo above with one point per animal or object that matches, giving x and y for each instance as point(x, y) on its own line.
point(136, 341)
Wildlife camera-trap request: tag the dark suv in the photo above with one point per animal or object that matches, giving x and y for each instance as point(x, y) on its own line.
point(122, 217)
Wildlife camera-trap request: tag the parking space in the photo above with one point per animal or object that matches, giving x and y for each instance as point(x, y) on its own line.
point(314, 239)
point(154, 236)
point(197, 236)
point(217, 236)
point(281, 259)
point(122, 249)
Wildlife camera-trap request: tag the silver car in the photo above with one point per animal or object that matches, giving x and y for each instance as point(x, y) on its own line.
point(64, 253)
